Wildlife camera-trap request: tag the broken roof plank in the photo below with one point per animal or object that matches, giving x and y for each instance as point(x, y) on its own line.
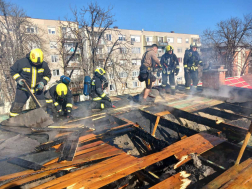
point(116, 172)
point(94, 155)
point(179, 181)
point(228, 175)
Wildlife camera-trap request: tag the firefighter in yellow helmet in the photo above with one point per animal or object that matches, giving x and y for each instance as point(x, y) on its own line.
point(35, 71)
point(59, 100)
point(192, 61)
point(170, 65)
point(98, 83)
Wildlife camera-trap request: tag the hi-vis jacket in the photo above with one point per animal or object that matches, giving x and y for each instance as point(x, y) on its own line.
point(192, 60)
point(169, 63)
point(52, 97)
point(24, 69)
point(96, 90)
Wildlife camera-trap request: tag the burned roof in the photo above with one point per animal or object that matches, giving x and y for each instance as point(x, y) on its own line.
point(182, 140)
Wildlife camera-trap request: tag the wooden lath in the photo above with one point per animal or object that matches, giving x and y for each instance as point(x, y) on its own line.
point(101, 174)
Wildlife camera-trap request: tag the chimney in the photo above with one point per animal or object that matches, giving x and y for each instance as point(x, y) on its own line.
point(172, 31)
point(115, 27)
point(214, 77)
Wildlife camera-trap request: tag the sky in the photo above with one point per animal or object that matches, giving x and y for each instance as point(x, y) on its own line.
point(181, 16)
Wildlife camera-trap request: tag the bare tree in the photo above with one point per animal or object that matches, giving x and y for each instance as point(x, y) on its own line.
point(18, 35)
point(230, 37)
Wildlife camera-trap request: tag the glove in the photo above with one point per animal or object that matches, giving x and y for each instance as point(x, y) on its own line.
point(40, 86)
point(105, 85)
point(176, 71)
point(21, 82)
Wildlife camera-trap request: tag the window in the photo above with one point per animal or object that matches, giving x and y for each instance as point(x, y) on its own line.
point(180, 59)
point(54, 58)
point(76, 58)
point(136, 84)
point(99, 50)
point(136, 62)
point(56, 72)
point(122, 62)
point(135, 38)
point(32, 45)
point(148, 38)
point(123, 74)
point(187, 40)
point(179, 50)
point(53, 45)
point(111, 76)
point(124, 85)
point(135, 73)
point(30, 29)
point(179, 40)
point(136, 50)
point(51, 30)
point(121, 37)
point(112, 87)
point(123, 50)
point(160, 39)
point(108, 37)
point(109, 49)
point(170, 40)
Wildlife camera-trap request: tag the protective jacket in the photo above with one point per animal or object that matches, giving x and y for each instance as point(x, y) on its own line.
point(52, 97)
point(97, 91)
point(169, 63)
point(24, 69)
point(192, 60)
point(149, 60)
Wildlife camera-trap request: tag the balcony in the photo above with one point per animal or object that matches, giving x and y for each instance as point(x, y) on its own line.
point(70, 50)
point(162, 43)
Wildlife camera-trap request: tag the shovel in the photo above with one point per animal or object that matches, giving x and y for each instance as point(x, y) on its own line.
point(37, 118)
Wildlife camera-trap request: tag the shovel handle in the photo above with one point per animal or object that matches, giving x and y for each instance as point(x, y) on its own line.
point(32, 95)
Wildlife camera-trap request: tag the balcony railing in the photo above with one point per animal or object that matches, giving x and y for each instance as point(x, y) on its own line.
point(70, 50)
point(162, 43)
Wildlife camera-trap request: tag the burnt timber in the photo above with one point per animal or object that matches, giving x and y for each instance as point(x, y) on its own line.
point(90, 157)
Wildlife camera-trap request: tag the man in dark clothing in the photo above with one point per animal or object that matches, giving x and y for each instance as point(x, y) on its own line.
point(59, 100)
point(98, 83)
point(36, 73)
point(149, 60)
point(191, 63)
point(170, 67)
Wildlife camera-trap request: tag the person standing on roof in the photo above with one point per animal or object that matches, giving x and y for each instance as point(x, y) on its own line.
point(59, 100)
point(191, 63)
point(35, 72)
point(170, 65)
point(149, 60)
point(98, 83)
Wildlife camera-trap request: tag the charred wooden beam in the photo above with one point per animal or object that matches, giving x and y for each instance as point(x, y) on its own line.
point(24, 163)
point(225, 115)
point(235, 108)
point(232, 132)
point(48, 145)
point(169, 124)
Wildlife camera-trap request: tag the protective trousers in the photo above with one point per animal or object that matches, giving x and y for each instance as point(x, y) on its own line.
point(191, 75)
point(171, 81)
point(100, 104)
point(20, 99)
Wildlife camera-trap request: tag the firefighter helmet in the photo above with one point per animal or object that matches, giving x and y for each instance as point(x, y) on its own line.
point(194, 44)
point(168, 48)
point(36, 56)
point(64, 79)
point(61, 90)
point(99, 72)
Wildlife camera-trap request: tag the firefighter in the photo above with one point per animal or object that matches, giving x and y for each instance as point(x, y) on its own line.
point(36, 73)
point(191, 63)
point(59, 101)
point(170, 67)
point(149, 60)
point(98, 83)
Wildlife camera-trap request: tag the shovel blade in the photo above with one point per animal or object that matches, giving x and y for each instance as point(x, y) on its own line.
point(37, 118)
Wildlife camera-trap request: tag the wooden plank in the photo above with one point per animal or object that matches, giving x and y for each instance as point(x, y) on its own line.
point(178, 181)
point(73, 177)
point(243, 177)
point(79, 152)
point(139, 164)
point(228, 175)
point(94, 155)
